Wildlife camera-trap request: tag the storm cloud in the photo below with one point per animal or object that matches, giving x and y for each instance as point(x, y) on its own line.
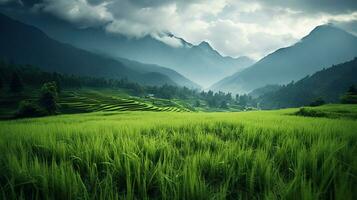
point(233, 27)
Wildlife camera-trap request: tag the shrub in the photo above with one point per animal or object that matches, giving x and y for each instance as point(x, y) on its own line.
point(16, 84)
point(349, 99)
point(1, 83)
point(29, 109)
point(317, 102)
point(351, 96)
point(49, 98)
point(310, 113)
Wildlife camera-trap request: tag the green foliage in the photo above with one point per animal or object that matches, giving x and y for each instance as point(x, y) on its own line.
point(216, 100)
point(243, 100)
point(310, 113)
point(264, 90)
point(197, 103)
point(352, 90)
point(349, 99)
point(1, 83)
point(36, 78)
point(328, 84)
point(318, 102)
point(351, 96)
point(29, 109)
point(330, 111)
point(49, 98)
point(16, 84)
point(143, 155)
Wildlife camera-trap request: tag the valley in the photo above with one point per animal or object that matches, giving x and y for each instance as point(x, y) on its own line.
point(103, 99)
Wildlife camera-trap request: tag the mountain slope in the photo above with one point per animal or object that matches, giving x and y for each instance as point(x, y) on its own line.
point(24, 44)
point(150, 68)
point(329, 84)
point(197, 62)
point(323, 47)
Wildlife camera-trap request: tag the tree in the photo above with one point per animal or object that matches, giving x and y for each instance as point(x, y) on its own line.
point(28, 109)
point(352, 90)
point(49, 98)
point(197, 103)
point(224, 105)
point(57, 80)
point(350, 97)
point(1, 84)
point(16, 83)
point(318, 102)
point(243, 100)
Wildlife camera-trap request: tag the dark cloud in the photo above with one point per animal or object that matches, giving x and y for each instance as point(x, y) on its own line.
point(249, 27)
point(151, 3)
point(95, 2)
point(315, 6)
point(26, 3)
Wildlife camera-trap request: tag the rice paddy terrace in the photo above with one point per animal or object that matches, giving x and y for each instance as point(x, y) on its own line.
point(91, 100)
point(94, 101)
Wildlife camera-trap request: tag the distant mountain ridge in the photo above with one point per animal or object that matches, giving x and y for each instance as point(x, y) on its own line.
point(151, 68)
point(24, 44)
point(329, 84)
point(200, 63)
point(324, 46)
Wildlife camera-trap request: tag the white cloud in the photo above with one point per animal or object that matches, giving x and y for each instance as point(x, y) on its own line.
point(233, 27)
point(167, 39)
point(77, 11)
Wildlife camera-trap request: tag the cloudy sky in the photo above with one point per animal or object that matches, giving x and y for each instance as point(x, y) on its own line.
point(233, 27)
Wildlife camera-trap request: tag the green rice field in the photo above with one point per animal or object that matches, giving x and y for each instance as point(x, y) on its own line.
point(92, 101)
point(187, 155)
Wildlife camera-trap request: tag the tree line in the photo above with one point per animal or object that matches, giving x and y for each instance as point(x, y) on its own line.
point(16, 77)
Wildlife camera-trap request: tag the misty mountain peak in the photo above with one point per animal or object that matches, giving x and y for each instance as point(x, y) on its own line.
point(329, 30)
point(324, 46)
point(205, 45)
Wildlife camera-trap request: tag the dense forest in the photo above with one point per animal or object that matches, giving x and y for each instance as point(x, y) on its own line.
point(13, 78)
point(327, 85)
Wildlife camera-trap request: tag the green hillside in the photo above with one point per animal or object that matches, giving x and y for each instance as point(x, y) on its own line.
point(93, 100)
point(333, 111)
point(155, 155)
point(87, 94)
point(328, 84)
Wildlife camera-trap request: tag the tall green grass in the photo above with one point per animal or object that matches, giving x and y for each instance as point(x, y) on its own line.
point(144, 155)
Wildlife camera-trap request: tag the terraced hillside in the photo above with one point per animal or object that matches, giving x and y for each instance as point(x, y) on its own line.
point(92, 101)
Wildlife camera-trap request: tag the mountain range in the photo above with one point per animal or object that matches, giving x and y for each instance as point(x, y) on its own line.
point(200, 63)
point(25, 44)
point(100, 54)
point(324, 46)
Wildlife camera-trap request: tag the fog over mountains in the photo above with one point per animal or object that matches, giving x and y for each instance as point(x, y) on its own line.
point(200, 63)
point(25, 44)
point(148, 60)
point(326, 45)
